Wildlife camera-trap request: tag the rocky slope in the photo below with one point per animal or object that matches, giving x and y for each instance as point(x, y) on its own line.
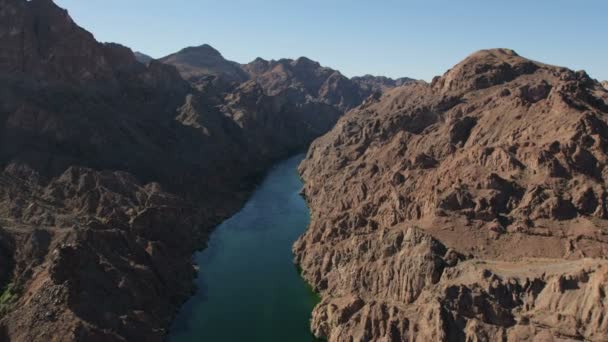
point(113, 171)
point(605, 84)
point(473, 208)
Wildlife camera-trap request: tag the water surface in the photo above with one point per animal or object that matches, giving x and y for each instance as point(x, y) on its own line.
point(248, 286)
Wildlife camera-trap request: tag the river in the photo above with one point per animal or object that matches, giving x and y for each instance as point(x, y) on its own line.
point(248, 287)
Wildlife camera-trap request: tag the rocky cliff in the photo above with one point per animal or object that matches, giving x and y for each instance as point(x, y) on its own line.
point(472, 208)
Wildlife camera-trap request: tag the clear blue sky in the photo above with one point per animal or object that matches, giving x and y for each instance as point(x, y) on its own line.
point(415, 38)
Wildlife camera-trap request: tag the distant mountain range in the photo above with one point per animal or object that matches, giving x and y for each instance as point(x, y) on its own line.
point(204, 64)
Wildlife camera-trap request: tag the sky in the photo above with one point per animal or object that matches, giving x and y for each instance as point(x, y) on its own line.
point(413, 38)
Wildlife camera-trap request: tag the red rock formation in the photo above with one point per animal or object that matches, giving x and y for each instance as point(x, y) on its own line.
point(471, 208)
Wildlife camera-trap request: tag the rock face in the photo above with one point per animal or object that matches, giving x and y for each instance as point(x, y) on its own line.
point(473, 208)
point(112, 172)
point(605, 84)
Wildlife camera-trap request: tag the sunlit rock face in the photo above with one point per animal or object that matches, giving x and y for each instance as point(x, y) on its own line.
point(471, 208)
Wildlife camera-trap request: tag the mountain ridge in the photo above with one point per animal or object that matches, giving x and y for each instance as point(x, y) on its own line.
point(200, 63)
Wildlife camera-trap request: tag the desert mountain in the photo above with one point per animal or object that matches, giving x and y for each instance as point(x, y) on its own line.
point(98, 224)
point(204, 65)
point(472, 208)
point(200, 63)
point(112, 172)
point(308, 77)
point(279, 104)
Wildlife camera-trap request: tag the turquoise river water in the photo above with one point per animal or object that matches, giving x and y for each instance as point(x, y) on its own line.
point(248, 287)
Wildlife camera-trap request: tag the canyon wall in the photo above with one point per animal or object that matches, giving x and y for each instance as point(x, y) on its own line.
point(472, 208)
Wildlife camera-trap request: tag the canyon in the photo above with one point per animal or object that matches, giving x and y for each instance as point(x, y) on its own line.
point(114, 171)
point(470, 208)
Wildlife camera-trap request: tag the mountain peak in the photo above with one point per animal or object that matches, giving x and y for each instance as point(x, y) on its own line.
point(203, 61)
point(485, 68)
point(204, 49)
point(305, 62)
point(495, 52)
point(196, 55)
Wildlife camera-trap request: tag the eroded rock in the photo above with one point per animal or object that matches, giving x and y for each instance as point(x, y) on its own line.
point(500, 164)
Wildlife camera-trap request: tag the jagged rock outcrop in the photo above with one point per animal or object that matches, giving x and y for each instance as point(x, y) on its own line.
point(472, 208)
point(605, 84)
point(380, 84)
